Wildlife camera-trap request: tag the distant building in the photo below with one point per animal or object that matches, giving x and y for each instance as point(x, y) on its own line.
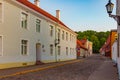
point(88, 45)
point(81, 50)
point(107, 48)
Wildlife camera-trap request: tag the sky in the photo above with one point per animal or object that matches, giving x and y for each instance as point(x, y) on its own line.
point(81, 15)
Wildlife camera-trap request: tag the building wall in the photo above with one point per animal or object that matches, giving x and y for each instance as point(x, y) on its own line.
point(114, 52)
point(82, 52)
point(90, 48)
point(12, 33)
point(118, 30)
point(113, 35)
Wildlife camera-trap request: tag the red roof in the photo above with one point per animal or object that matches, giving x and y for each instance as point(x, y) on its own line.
point(81, 45)
point(83, 41)
point(41, 11)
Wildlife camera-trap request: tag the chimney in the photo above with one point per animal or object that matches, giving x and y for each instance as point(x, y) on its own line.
point(37, 3)
point(58, 14)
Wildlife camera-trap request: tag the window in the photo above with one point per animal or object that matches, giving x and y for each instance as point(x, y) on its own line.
point(0, 45)
point(0, 12)
point(38, 25)
point(24, 20)
point(58, 50)
point(70, 37)
point(51, 30)
point(70, 50)
point(63, 35)
point(58, 33)
point(24, 45)
point(51, 49)
point(66, 36)
point(66, 50)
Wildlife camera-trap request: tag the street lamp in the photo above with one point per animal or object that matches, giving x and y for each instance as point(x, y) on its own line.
point(109, 7)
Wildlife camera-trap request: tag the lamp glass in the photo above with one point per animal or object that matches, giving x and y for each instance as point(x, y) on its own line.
point(109, 7)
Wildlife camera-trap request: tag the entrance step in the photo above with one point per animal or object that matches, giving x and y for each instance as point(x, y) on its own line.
point(39, 63)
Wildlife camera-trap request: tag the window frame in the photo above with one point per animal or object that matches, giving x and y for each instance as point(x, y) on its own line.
point(59, 50)
point(63, 35)
point(38, 25)
point(59, 32)
point(51, 49)
point(67, 51)
point(51, 30)
point(24, 47)
point(66, 36)
point(24, 22)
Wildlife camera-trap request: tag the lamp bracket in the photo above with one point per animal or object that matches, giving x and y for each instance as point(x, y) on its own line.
point(116, 18)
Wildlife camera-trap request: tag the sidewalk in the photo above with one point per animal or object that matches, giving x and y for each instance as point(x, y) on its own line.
point(4, 73)
point(105, 72)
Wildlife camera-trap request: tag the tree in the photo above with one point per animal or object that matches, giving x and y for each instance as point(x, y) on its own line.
point(96, 43)
point(98, 38)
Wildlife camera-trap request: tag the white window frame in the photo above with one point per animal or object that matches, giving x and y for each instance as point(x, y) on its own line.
point(25, 13)
point(23, 47)
point(38, 25)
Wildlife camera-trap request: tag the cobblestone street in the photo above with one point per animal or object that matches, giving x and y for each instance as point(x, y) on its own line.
point(76, 71)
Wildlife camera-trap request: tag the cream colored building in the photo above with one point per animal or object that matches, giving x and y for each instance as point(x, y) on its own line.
point(29, 34)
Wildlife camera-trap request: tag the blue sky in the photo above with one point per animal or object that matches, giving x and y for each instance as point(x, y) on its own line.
point(81, 15)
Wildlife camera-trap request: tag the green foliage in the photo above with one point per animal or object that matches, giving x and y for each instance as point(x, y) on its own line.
point(98, 38)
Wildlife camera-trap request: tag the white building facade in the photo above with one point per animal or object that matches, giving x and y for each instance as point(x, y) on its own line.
point(29, 34)
point(114, 51)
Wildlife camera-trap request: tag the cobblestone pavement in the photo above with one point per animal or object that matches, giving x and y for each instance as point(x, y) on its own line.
point(75, 71)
